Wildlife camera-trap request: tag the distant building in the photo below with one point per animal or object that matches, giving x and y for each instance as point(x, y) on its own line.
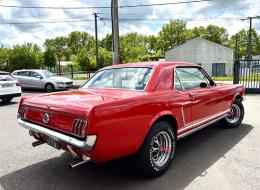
point(216, 59)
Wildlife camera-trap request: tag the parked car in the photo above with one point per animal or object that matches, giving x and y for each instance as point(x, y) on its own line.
point(42, 79)
point(136, 109)
point(9, 87)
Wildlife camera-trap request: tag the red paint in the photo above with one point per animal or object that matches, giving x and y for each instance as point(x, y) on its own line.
point(122, 118)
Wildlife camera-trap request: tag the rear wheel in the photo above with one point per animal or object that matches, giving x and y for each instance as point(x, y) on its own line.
point(156, 153)
point(236, 115)
point(49, 87)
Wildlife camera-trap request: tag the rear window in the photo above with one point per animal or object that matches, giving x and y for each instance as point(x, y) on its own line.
point(126, 78)
point(6, 77)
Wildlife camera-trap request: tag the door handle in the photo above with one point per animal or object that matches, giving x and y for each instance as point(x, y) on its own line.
point(192, 95)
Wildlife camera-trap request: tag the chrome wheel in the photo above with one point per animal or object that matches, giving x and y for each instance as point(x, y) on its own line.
point(234, 114)
point(161, 148)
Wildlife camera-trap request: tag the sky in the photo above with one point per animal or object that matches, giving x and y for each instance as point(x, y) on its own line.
point(224, 13)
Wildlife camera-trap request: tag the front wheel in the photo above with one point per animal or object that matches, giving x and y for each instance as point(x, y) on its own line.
point(157, 151)
point(236, 115)
point(49, 87)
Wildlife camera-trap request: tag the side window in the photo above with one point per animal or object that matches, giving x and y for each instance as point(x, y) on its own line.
point(191, 78)
point(34, 74)
point(24, 73)
point(177, 84)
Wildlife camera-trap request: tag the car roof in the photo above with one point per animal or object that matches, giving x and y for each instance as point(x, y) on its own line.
point(39, 70)
point(4, 73)
point(152, 64)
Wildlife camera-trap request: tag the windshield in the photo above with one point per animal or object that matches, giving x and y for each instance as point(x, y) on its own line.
point(126, 78)
point(48, 74)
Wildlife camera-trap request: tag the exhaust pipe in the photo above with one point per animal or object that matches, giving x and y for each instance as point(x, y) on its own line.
point(76, 163)
point(37, 143)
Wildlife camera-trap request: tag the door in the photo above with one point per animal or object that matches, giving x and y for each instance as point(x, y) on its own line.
point(36, 80)
point(206, 98)
point(218, 69)
point(23, 78)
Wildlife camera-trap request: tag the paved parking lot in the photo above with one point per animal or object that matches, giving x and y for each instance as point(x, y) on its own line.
point(213, 158)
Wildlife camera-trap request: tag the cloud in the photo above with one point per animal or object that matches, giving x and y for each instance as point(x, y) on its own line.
point(194, 13)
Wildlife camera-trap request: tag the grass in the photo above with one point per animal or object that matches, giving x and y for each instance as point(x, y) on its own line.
point(252, 78)
point(80, 78)
point(227, 78)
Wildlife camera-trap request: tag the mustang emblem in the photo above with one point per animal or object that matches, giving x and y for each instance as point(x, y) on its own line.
point(46, 118)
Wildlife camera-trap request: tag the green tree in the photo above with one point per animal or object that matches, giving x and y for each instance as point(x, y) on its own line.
point(212, 33)
point(106, 42)
point(105, 57)
point(4, 53)
point(172, 34)
point(25, 56)
point(80, 40)
point(60, 45)
point(83, 60)
point(242, 41)
point(133, 47)
point(50, 57)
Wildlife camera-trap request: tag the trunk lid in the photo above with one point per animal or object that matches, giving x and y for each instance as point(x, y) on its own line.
point(65, 107)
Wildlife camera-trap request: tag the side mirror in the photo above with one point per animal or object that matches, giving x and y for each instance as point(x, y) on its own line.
point(203, 85)
point(39, 77)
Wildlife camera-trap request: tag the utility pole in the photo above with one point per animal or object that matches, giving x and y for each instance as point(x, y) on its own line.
point(249, 46)
point(115, 31)
point(236, 63)
point(96, 36)
point(59, 59)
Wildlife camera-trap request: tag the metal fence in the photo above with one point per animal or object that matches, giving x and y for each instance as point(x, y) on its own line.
point(71, 72)
point(247, 72)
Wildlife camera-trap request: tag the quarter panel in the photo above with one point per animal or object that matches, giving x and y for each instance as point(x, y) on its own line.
point(122, 126)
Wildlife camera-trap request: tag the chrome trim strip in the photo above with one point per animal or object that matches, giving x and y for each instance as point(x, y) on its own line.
point(199, 128)
point(84, 144)
point(183, 117)
point(204, 120)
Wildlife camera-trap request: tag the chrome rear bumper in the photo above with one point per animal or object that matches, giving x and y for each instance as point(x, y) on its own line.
point(82, 144)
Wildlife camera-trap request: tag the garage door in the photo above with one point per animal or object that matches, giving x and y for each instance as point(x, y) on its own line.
point(218, 69)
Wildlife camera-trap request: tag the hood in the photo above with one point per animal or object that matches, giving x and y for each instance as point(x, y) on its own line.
point(62, 79)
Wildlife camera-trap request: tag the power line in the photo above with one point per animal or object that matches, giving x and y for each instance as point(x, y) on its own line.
point(160, 4)
point(122, 20)
point(45, 22)
point(166, 19)
point(102, 7)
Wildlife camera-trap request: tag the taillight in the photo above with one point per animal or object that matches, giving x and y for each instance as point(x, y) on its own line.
point(79, 127)
point(22, 112)
point(18, 84)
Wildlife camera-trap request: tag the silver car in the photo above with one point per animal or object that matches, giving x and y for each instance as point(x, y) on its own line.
point(42, 79)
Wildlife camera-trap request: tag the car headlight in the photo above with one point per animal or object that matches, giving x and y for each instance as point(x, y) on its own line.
point(59, 82)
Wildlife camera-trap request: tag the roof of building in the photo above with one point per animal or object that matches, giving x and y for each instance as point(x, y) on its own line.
point(195, 40)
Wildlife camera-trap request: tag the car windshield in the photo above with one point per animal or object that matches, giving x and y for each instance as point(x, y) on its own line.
point(126, 78)
point(47, 74)
point(6, 77)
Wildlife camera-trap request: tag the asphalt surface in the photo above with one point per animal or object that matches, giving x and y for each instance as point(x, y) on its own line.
point(213, 158)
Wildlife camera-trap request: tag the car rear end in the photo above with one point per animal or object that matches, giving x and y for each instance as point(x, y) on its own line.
point(9, 87)
point(59, 124)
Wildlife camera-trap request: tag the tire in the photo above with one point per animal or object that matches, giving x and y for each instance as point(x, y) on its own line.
point(152, 162)
point(6, 100)
point(49, 87)
point(236, 115)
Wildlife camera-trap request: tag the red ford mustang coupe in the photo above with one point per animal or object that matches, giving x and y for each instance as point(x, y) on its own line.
point(137, 109)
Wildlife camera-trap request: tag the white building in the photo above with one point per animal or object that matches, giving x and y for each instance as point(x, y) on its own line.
point(216, 59)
